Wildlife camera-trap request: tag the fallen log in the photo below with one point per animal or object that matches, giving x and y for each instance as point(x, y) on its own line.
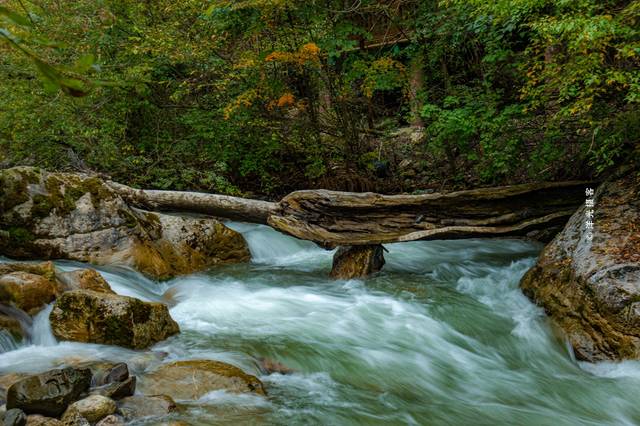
point(332, 218)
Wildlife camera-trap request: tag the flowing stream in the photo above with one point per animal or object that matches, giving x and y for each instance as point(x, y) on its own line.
point(442, 336)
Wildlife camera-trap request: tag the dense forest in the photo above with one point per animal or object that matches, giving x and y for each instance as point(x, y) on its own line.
point(261, 97)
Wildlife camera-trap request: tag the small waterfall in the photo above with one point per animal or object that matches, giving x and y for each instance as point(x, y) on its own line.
point(41, 334)
point(7, 342)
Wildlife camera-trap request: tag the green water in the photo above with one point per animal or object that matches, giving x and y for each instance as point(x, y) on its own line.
point(442, 336)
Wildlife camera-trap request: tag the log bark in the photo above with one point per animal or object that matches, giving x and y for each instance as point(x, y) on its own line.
point(332, 218)
point(236, 208)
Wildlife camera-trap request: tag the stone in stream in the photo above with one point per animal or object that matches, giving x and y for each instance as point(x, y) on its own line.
point(138, 406)
point(92, 317)
point(93, 408)
point(38, 420)
point(112, 420)
point(26, 286)
point(194, 378)
point(107, 372)
point(83, 279)
point(15, 417)
point(49, 393)
point(79, 217)
point(117, 390)
point(357, 261)
point(590, 286)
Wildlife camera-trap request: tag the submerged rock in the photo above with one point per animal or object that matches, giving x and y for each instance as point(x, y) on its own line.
point(139, 406)
point(590, 287)
point(79, 217)
point(92, 317)
point(194, 378)
point(357, 261)
point(49, 393)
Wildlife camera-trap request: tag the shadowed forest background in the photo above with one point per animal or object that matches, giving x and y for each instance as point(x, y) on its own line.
point(261, 97)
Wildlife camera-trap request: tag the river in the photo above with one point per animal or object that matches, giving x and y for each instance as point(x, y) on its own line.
point(442, 336)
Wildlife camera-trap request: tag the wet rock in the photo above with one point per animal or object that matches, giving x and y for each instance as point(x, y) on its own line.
point(138, 406)
point(105, 373)
point(357, 261)
point(16, 322)
point(93, 408)
point(112, 420)
point(83, 279)
point(28, 287)
point(270, 366)
point(117, 390)
point(15, 417)
point(72, 417)
point(7, 380)
point(194, 378)
point(589, 288)
point(78, 217)
point(88, 316)
point(38, 420)
point(49, 393)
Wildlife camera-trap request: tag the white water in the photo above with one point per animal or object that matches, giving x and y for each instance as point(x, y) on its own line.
point(442, 336)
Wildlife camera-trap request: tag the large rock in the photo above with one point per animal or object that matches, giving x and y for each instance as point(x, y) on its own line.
point(194, 378)
point(28, 287)
point(78, 217)
point(92, 317)
point(591, 289)
point(357, 261)
point(49, 393)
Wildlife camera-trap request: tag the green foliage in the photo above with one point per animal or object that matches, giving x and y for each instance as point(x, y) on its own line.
point(267, 96)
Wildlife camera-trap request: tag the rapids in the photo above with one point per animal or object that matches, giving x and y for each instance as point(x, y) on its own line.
point(442, 336)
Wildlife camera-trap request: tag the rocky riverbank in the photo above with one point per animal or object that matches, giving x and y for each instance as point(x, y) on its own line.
point(78, 217)
point(591, 287)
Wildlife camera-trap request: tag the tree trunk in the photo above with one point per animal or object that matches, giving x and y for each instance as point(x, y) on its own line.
point(236, 208)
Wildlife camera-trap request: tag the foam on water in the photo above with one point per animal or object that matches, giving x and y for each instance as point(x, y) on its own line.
point(442, 336)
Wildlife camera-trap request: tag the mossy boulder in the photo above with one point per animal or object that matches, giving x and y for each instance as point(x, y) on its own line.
point(94, 317)
point(189, 380)
point(589, 286)
point(79, 217)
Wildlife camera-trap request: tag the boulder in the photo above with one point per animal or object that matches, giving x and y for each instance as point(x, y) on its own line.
point(15, 417)
point(194, 378)
point(93, 408)
point(138, 406)
point(79, 217)
point(590, 287)
point(49, 393)
point(357, 261)
point(107, 372)
point(110, 319)
point(38, 420)
point(83, 279)
point(117, 390)
point(112, 420)
point(27, 287)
